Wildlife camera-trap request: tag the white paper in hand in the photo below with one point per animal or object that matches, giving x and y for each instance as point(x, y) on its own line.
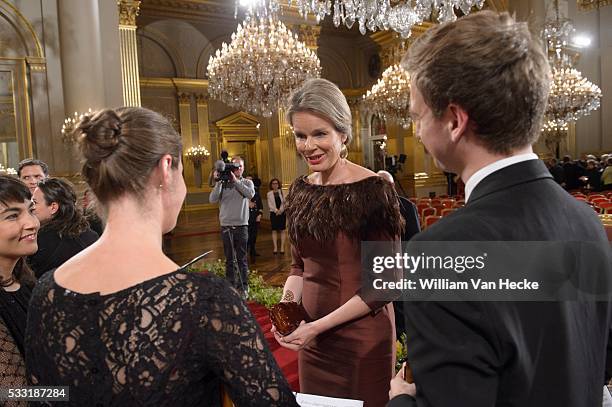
point(310, 400)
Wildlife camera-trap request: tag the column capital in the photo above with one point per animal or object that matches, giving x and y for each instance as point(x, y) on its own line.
point(128, 10)
point(202, 98)
point(184, 98)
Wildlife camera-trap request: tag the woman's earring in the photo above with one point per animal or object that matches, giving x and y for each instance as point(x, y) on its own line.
point(344, 151)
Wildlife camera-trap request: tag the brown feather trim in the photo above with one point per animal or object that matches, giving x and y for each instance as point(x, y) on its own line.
point(358, 209)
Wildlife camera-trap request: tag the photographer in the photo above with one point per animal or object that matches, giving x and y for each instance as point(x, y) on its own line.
point(233, 194)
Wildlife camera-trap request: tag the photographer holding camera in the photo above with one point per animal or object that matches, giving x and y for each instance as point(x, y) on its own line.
point(233, 194)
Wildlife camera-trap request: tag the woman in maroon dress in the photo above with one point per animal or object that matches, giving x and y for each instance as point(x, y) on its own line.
point(347, 350)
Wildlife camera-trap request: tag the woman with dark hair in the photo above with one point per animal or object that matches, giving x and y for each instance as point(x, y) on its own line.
point(18, 229)
point(64, 232)
point(121, 323)
point(276, 204)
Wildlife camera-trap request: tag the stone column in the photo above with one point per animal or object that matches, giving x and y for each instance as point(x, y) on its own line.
point(203, 129)
point(81, 53)
point(128, 10)
point(287, 151)
point(184, 100)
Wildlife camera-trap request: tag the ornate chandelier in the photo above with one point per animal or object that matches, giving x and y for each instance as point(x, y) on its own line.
point(397, 15)
point(571, 96)
point(553, 134)
point(261, 66)
point(389, 98)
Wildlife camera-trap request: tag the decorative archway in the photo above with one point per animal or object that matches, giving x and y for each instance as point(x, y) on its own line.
point(239, 135)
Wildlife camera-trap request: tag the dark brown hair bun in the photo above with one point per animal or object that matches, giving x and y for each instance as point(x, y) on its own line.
point(120, 148)
point(100, 134)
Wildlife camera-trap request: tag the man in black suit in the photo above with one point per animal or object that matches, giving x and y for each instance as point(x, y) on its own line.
point(409, 212)
point(479, 88)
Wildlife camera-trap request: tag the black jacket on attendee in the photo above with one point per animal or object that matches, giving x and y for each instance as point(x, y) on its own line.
point(54, 251)
point(412, 227)
point(511, 354)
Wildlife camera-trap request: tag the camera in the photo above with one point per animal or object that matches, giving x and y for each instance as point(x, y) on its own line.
point(224, 167)
point(224, 172)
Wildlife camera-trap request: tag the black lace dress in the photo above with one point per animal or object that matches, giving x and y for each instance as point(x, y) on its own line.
point(167, 341)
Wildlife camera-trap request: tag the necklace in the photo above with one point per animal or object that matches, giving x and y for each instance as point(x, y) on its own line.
point(8, 282)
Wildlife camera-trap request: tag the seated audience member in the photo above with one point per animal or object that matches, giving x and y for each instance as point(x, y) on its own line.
point(121, 323)
point(606, 176)
point(64, 230)
point(18, 229)
point(482, 127)
point(30, 171)
point(556, 170)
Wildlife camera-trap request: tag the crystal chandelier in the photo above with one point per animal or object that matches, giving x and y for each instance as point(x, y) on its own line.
point(261, 66)
point(397, 15)
point(553, 133)
point(571, 95)
point(389, 98)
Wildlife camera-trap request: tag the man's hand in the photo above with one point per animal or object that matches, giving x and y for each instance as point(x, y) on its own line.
point(401, 386)
point(215, 175)
point(258, 218)
point(233, 177)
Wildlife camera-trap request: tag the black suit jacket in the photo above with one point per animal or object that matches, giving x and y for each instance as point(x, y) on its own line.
point(523, 354)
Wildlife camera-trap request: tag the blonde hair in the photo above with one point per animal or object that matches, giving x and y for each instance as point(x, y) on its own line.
point(322, 98)
point(493, 68)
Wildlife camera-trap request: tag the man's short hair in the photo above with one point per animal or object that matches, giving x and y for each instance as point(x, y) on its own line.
point(32, 161)
point(493, 68)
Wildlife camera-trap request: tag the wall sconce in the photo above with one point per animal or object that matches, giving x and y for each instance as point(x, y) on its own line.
point(69, 126)
point(197, 154)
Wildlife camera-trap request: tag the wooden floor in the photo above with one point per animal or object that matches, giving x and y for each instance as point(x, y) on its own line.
point(198, 233)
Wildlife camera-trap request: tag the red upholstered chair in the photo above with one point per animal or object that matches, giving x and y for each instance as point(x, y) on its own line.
point(578, 194)
point(607, 222)
point(436, 201)
point(604, 207)
point(429, 211)
point(448, 203)
point(593, 197)
point(439, 208)
point(430, 220)
point(421, 206)
point(597, 201)
point(580, 198)
point(459, 204)
point(447, 211)
point(413, 200)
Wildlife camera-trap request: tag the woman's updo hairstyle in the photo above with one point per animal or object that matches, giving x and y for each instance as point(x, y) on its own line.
point(120, 148)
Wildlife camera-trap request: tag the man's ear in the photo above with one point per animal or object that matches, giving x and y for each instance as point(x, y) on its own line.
point(458, 121)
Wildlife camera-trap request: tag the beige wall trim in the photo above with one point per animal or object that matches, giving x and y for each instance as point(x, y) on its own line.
point(148, 82)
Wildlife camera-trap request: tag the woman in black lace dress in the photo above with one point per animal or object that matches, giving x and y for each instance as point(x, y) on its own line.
point(122, 324)
point(18, 229)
